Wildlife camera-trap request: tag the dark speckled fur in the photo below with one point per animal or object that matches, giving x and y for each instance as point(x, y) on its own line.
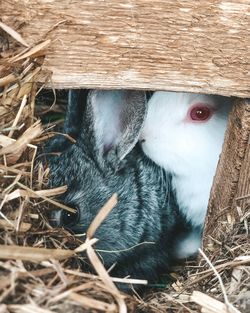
point(145, 214)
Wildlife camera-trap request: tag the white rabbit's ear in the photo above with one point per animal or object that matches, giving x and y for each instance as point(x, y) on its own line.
point(118, 117)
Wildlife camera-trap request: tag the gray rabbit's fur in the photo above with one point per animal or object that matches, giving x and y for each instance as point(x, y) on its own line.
point(139, 232)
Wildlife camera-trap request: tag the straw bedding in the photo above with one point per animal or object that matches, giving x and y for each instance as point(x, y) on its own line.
point(39, 266)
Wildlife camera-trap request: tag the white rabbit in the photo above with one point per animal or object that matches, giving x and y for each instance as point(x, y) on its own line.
point(183, 133)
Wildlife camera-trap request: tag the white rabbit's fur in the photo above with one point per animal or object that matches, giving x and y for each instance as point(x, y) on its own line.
point(188, 150)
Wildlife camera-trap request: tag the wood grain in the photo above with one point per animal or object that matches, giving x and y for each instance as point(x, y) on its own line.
point(231, 187)
point(170, 45)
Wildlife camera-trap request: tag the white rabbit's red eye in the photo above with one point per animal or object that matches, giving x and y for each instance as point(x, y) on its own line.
point(200, 113)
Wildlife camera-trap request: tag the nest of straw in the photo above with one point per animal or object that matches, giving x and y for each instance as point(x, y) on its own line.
point(40, 266)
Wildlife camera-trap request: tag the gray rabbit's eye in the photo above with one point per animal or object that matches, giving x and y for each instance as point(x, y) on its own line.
point(69, 218)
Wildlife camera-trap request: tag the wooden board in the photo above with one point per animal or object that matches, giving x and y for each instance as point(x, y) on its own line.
point(171, 45)
point(230, 194)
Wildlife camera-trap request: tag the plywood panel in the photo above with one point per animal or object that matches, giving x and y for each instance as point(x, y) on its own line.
point(173, 45)
point(230, 194)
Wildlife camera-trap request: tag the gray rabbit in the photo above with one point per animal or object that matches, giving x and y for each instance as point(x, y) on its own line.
point(138, 234)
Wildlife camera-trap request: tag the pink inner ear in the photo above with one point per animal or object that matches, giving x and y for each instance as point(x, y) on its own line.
point(107, 108)
point(199, 113)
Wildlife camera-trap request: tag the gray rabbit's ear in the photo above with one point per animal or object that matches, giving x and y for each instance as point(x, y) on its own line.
point(118, 117)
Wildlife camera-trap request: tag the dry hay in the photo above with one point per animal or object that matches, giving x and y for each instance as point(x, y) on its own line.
point(39, 265)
